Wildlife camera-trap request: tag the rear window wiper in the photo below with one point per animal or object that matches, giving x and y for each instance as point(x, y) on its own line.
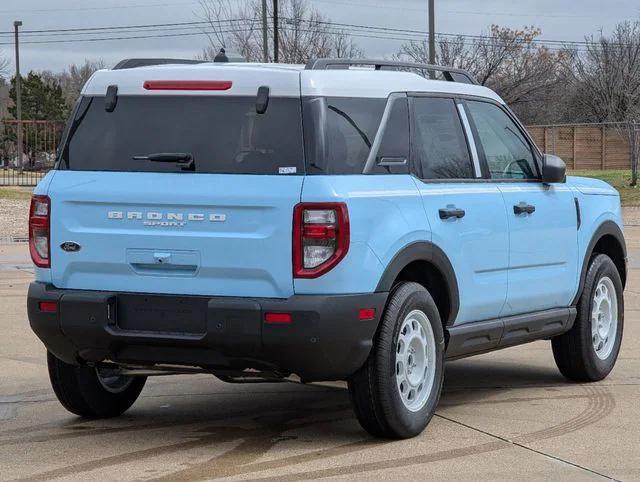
point(179, 157)
point(185, 159)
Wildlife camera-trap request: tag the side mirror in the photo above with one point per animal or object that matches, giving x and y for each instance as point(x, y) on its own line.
point(553, 169)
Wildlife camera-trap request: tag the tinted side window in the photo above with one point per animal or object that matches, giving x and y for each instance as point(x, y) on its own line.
point(507, 151)
point(339, 133)
point(440, 144)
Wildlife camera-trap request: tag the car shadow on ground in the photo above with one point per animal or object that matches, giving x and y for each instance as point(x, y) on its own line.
point(257, 419)
point(281, 407)
point(490, 373)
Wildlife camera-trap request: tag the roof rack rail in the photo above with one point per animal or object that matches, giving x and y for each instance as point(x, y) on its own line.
point(133, 63)
point(448, 73)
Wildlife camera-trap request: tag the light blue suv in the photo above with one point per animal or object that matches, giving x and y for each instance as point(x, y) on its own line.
point(344, 220)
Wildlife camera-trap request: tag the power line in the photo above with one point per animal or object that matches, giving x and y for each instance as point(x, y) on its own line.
point(336, 2)
point(112, 7)
point(222, 23)
point(378, 29)
point(356, 30)
point(442, 34)
point(395, 6)
point(203, 32)
point(419, 39)
point(123, 27)
point(505, 14)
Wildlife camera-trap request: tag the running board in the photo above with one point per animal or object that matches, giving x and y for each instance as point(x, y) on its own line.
point(483, 336)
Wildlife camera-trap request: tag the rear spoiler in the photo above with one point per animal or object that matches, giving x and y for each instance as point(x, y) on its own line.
point(133, 63)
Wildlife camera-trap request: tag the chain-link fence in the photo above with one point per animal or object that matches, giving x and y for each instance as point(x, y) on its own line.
point(586, 146)
point(40, 141)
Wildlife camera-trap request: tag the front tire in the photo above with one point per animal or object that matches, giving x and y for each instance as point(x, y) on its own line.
point(92, 392)
point(588, 352)
point(396, 392)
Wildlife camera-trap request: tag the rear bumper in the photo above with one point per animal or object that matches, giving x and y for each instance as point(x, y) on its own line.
point(325, 340)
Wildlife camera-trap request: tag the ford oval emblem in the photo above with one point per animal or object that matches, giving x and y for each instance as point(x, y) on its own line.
point(70, 247)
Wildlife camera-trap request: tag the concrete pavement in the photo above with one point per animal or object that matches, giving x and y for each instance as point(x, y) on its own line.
point(503, 415)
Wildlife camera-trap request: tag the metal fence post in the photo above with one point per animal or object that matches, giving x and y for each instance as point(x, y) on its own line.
point(634, 153)
point(575, 148)
point(18, 83)
point(603, 159)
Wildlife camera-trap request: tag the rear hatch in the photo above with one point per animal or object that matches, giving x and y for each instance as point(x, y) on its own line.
point(211, 216)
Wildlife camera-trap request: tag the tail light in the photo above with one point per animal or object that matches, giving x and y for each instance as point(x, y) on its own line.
point(277, 318)
point(320, 238)
point(187, 84)
point(48, 306)
point(39, 232)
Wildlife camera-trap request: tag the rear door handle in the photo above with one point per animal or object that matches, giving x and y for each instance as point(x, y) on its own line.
point(453, 212)
point(523, 208)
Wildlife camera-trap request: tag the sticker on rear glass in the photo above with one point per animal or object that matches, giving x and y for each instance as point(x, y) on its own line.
point(286, 170)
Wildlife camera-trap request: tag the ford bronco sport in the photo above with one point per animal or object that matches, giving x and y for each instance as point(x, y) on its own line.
point(347, 220)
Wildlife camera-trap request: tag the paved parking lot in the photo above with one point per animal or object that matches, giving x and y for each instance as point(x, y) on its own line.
point(503, 415)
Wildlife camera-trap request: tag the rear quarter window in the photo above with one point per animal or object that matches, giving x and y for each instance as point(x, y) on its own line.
point(340, 133)
point(223, 134)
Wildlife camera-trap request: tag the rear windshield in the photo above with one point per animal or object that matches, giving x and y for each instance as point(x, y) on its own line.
point(222, 135)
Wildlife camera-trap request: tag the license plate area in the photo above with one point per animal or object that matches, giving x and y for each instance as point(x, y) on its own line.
point(162, 314)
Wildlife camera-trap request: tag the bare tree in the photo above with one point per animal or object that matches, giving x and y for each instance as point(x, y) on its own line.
point(4, 65)
point(4, 86)
point(344, 47)
point(73, 78)
point(304, 32)
point(607, 84)
point(524, 73)
point(231, 25)
point(4, 98)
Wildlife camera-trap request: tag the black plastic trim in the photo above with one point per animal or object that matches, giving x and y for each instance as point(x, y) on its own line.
point(484, 336)
point(329, 64)
point(133, 63)
point(424, 251)
point(523, 208)
point(446, 213)
point(606, 228)
point(326, 340)
point(111, 98)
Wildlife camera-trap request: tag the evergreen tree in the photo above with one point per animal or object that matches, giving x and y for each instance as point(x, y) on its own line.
point(40, 100)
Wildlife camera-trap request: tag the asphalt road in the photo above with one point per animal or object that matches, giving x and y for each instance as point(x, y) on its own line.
point(503, 415)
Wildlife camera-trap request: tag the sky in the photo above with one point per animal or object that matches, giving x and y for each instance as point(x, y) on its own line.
point(569, 20)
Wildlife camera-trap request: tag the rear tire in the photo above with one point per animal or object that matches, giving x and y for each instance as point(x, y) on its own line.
point(396, 392)
point(92, 393)
point(588, 352)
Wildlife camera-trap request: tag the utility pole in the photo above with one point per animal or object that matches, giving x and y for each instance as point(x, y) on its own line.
point(17, 24)
point(265, 46)
point(275, 31)
point(432, 33)
point(633, 144)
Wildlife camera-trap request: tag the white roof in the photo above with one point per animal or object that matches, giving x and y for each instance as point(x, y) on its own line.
point(284, 80)
point(381, 83)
